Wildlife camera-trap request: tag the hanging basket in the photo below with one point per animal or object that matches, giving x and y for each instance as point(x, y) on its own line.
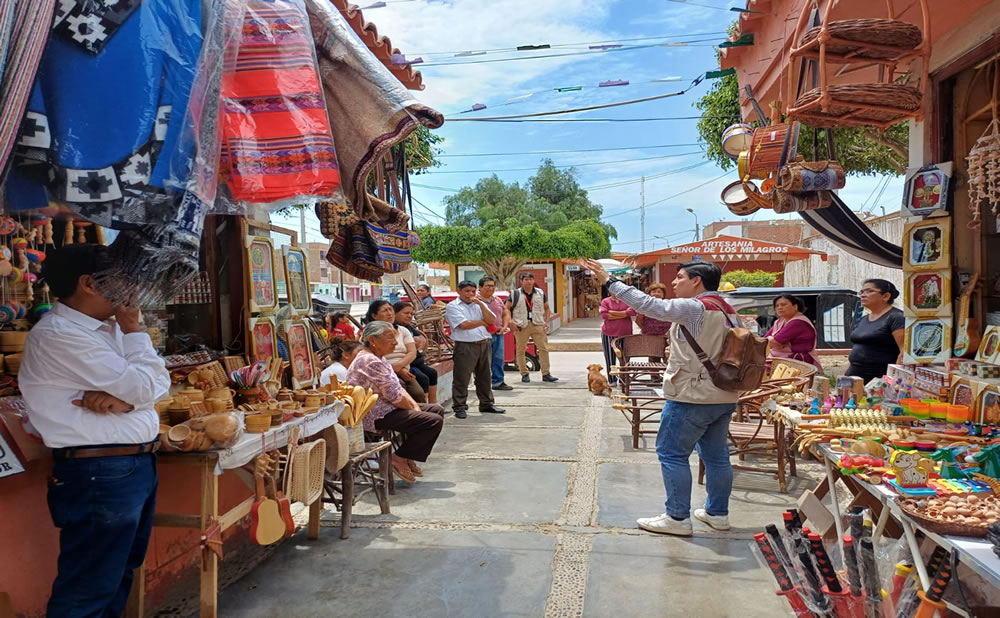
point(852, 105)
point(867, 39)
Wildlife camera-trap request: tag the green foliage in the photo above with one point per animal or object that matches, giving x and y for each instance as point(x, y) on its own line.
point(551, 199)
point(751, 279)
point(422, 153)
point(464, 244)
point(861, 150)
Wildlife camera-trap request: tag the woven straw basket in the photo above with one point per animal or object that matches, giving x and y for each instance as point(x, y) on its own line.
point(306, 470)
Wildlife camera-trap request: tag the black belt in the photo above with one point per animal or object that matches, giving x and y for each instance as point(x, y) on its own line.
point(475, 342)
point(87, 452)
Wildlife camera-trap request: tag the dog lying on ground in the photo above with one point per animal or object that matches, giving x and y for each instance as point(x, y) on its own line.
point(597, 383)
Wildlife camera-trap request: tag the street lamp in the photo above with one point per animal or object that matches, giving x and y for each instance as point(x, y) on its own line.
point(697, 228)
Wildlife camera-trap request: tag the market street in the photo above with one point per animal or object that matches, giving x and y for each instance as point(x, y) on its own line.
point(530, 513)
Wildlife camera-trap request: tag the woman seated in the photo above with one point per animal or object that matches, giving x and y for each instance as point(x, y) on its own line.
point(793, 334)
point(652, 326)
point(405, 350)
point(420, 423)
point(342, 352)
point(426, 375)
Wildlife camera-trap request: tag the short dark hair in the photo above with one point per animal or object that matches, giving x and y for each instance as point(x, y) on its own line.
point(524, 276)
point(466, 284)
point(795, 300)
point(709, 272)
point(62, 269)
point(340, 346)
point(403, 304)
point(884, 287)
point(373, 308)
point(483, 280)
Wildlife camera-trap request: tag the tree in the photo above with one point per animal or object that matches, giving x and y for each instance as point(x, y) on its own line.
point(751, 279)
point(500, 226)
point(422, 150)
point(861, 150)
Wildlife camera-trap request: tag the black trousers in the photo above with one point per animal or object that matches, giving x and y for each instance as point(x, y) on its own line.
point(420, 429)
point(472, 358)
point(610, 358)
point(427, 376)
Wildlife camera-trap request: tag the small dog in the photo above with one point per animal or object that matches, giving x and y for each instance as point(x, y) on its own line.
point(597, 383)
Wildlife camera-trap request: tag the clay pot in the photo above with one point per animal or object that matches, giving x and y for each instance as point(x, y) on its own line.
point(220, 392)
point(284, 395)
point(299, 396)
point(193, 394)
point(249, 395)
point(315, 400)
point(178, 415)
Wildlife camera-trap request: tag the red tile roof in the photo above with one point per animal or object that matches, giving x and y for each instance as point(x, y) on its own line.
point(381, 46)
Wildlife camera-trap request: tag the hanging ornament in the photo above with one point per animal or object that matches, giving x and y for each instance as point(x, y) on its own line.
point(45, 303)
point(7, 226)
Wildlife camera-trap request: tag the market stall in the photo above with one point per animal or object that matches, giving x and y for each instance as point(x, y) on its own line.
point(259, 105)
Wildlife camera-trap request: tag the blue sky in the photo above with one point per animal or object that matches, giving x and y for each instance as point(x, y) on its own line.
point(423, 27)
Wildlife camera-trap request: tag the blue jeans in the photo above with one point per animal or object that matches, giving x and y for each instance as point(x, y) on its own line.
point(496, 362)
point(684, 427)
point(104, 509)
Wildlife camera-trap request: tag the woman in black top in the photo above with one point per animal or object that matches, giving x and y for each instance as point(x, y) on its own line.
point(878, 337)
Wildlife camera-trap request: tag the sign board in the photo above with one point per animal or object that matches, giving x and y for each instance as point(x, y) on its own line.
point(572, 267)
point(9, 463)
point(729, 246)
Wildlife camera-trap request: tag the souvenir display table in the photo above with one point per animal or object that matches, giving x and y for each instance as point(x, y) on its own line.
point(975, 553)
point(209, 521)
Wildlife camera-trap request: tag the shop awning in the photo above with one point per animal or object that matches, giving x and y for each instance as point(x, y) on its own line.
point(727, 249)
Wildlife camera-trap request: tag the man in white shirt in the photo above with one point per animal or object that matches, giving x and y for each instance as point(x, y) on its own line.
point(468, 318)
point(90, 383)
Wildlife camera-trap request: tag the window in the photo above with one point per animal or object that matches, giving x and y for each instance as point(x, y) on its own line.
point(833, 324)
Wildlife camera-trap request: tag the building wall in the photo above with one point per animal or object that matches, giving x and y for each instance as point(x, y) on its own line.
point(776, 231)
point(842, 268)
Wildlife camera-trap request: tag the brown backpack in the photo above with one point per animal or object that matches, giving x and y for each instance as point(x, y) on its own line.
point(742, 363)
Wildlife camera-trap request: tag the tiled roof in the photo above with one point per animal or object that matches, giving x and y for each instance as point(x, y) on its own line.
point(381, 46)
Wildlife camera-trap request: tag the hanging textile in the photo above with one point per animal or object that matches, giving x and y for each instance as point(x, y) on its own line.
point(844, 229)
point(277, 142)
point(23, 33)
point(370, 111)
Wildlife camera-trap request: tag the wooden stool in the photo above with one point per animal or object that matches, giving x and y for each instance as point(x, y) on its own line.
point(360, 472)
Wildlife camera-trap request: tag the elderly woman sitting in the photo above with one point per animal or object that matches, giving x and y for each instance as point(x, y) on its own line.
point(419, 423)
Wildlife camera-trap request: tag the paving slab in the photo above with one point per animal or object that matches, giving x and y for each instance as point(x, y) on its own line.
point(405, 573)
point(506, 441)
point(672, 576)
point(490, 491)
point(616, 441)
point(628, 491)
point(528, 396)
point(519, 415)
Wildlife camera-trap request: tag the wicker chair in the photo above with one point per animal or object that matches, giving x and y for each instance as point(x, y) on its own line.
point(752, 432)
point(638, 402)
point(430, 322)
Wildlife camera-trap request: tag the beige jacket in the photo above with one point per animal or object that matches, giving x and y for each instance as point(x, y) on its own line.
point(686, 379)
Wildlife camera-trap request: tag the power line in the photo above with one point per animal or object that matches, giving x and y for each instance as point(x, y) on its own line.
point(529, 169)
point(671, 196)
point(579, 53)
point(667, 237)
point(543, 120)
point(514, 48)
point(545, 152)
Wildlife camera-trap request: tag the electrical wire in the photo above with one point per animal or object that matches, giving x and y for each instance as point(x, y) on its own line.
point(667, 237)
point(423, 65)
point(545, 152)
point(514, 48)
point(652, 119)
point(708, 182)
point(530, 169)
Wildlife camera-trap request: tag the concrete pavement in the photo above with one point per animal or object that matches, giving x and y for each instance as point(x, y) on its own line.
point(530, 513)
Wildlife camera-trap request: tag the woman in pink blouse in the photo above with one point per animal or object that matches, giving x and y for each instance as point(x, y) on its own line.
point(652, 326)
point(617, 318)
point(793, 335)
point(420, 423)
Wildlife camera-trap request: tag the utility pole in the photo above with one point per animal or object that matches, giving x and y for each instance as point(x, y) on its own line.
point(697, 228)
point(302, 226)
point(642, 214)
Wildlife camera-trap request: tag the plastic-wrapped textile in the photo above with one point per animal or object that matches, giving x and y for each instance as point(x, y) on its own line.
point(23, 33)
point(370, 111)
point(276, 135)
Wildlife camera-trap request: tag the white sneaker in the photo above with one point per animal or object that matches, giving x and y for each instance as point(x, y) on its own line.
point(665, 524)
point(719, 522)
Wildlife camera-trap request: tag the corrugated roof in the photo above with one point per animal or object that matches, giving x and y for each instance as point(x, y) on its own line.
point(381, 46)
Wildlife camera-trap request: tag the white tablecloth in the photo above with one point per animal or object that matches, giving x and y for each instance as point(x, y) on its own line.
point(252, 444)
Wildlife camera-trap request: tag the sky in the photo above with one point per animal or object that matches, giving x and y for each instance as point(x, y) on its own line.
point(438, 29)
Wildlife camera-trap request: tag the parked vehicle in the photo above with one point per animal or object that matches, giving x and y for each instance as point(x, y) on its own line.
point(834, 310)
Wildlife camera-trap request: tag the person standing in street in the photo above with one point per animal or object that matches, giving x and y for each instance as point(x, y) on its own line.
point(530, 314)
point(697, 413)
point(487, 293)
point(616, 322)
point(90, 376)
point(469, 318)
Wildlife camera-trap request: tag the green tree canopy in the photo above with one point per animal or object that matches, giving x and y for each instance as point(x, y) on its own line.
point(751, 279)
point(501, 226)
point(861, 150)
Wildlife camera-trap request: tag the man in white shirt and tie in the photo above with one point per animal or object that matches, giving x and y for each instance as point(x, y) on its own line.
point(468, 318)
point(90, 382)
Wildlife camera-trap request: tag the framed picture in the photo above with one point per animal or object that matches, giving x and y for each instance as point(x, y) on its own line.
point(928, 340)
point(988, 412)
point(297, 279)
point(927, 294)
point(926, 189)
point(260, 260)
point(263, 338)
point(927, 244)
point(962, 393)
point(300, 353)
point(989, 345)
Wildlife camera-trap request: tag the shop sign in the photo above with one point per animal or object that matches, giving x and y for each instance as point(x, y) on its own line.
point(9, 463)
point(729, 247)
point(572, 268)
